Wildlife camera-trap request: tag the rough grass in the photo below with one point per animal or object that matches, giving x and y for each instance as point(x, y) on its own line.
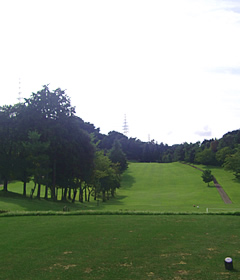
point(119, 247)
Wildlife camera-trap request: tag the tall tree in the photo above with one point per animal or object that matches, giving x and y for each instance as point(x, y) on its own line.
point(207, 157)
point(8, 143)
point(116, 155)
point(232, 162)
point(38, 156)
point(46, 112)
point(222, 154)
point(106, 177)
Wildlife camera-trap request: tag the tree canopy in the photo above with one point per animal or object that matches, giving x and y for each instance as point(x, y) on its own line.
point(42, 139)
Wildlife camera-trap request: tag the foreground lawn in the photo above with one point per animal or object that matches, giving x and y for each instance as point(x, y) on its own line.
point(119, 247)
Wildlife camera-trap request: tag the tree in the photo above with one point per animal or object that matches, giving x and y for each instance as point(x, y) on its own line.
point(46, 112)
point(38, 156)
point(222, 154)
point(23, 166)
point(190, 151)
point(106, 177)
point(46, 104)
point(232, 162)
point(179, 152)
point(207, 157)
point(207, 176)
point(8, 143)
point(116, 155)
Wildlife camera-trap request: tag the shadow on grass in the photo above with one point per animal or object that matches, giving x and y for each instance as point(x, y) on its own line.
point(111, 202)
point(236, 180)
point(17, 202)
point(127, 180)
point(211, 186)
point(10, 201)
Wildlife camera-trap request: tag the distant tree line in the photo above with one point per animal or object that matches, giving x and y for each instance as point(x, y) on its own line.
point(42, 140)
point(223, 152)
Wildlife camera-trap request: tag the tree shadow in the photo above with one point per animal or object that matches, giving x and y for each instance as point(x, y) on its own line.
point(127, 181)
point(236, 180)
point(117, 200)
point(10, 201)
point(20, 203)
point(211, 186)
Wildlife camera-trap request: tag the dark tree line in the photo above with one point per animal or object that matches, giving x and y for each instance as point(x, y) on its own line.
point(43, 140)
point(217, 152)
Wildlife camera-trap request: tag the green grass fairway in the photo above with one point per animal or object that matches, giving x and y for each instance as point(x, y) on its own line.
point(175, 187)
point(119, 247)
point(166, 187)
point(172, 187)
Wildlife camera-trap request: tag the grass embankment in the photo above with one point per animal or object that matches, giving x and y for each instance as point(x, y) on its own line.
point(170, 187)
point(119, 247)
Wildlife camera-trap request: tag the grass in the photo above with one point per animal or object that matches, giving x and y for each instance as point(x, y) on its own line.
point(122, 245)
point(170, 187)
point(166, 187)
point(119, 247)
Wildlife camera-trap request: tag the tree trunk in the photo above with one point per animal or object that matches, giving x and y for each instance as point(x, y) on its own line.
point(33, 190)
point(53, 195)
point(5, 185)
point(80, 192)
point(95, 193)
point(46, 192)
point(70, 194)
point(39, 191)
point(104, 196)
point(74, 195)
point(56, 196)
point(89, 194)
point(24, 188)
point(64, 198)
point(85, 192)
point(112, 192)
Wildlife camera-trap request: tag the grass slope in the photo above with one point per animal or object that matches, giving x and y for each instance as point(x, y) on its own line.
point(146, 187)
point(166, 187)
point(119, 247)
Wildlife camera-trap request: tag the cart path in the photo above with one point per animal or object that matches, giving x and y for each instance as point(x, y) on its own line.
point(226, 199)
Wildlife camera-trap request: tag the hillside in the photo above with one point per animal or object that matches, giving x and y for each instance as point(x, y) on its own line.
point(174, 187)
point(162, 187)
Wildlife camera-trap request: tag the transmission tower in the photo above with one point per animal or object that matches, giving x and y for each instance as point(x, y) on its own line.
point(19, 91)
point(125, 125)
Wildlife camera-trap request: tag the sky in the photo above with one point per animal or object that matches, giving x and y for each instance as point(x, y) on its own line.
point(173, 67)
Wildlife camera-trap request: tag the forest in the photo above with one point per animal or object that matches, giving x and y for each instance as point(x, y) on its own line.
point(42, 140)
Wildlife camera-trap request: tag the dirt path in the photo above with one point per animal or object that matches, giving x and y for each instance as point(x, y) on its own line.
point(221, 191)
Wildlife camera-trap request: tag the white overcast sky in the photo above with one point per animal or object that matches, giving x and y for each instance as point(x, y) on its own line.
point(173, 67)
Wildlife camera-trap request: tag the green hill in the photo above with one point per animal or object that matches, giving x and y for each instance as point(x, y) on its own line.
point(175, 187)
point(165, 187)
